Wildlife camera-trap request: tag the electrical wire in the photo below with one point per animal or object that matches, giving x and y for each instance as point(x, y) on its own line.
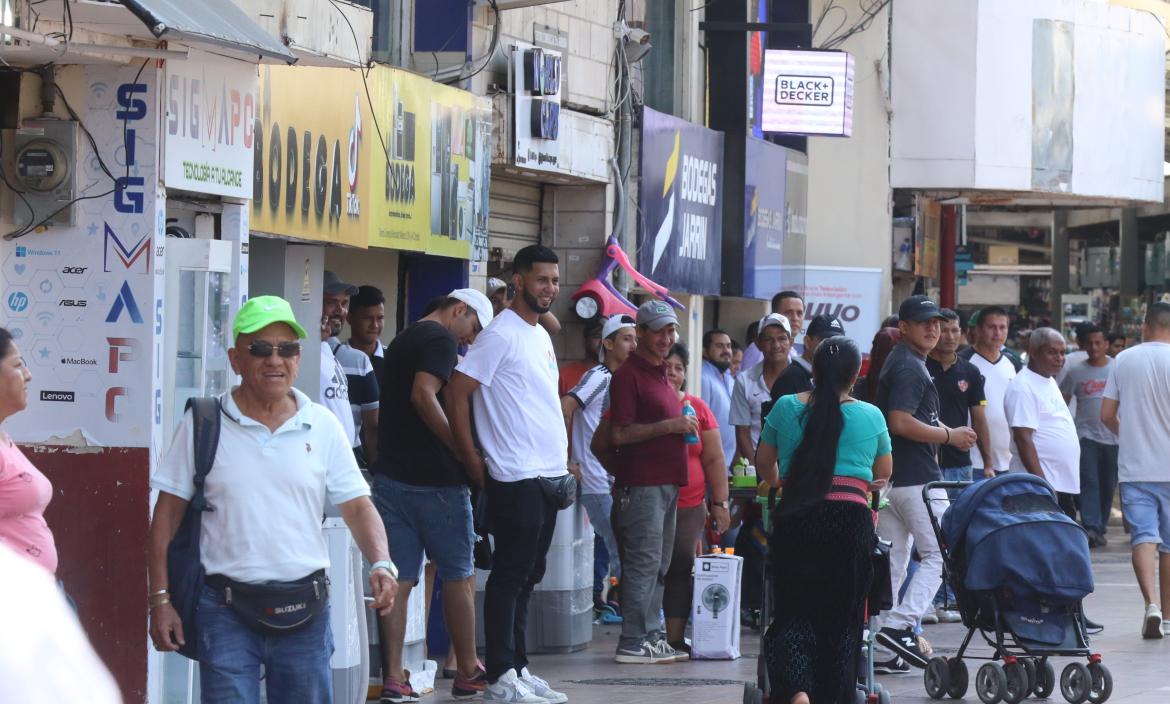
point(492, 47)
point(364, 72)
point(869, 11)
point(32, 226)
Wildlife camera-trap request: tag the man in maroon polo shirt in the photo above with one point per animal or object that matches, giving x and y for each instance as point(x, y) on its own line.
point(647, 430)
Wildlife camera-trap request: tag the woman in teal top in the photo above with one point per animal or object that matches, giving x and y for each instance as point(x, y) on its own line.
point(827, 451)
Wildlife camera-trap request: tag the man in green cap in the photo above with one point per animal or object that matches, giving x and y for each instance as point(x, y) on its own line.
point(279, 458)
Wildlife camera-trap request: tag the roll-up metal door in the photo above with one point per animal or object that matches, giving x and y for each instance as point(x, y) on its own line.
point(515, 215)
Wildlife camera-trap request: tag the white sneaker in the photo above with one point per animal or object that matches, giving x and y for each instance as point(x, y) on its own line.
point(511, 689)
point(929, 618)
point(541, 689)
point(666, 651)
point(947, 615)
point(1152, 625)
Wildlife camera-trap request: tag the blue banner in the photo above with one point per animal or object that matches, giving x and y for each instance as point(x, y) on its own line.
point(681, 199)
point(765, 209)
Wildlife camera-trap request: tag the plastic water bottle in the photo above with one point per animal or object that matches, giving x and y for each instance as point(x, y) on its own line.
point(689, 438)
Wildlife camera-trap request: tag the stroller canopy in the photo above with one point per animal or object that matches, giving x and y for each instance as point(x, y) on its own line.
point(1009, 533)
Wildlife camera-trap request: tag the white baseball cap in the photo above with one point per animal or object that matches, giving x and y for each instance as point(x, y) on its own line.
point(612, 324)
point(494, 284)
point(478, 302)
point(774, 319)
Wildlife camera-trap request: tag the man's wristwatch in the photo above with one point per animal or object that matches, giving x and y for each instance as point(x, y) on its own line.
point(724, 504)
point(385, 565)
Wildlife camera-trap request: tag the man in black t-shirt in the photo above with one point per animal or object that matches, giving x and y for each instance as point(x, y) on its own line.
point(910, 403)
point(421, 489)
point(797, 378)
point(961, 399)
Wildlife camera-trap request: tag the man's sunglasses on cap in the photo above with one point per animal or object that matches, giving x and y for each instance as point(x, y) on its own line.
point(263, 349)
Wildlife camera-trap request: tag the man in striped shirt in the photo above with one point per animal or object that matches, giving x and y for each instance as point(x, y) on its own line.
point(582, 407)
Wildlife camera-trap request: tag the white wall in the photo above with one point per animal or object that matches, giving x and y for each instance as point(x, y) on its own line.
point(969, 114)
point(849, 193)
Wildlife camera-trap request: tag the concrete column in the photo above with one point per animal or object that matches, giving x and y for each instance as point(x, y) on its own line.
point(690, 333)
point(1131, 255)
point(1060, 263)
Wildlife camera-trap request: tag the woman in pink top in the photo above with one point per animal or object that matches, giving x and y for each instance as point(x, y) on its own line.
point(24, 491)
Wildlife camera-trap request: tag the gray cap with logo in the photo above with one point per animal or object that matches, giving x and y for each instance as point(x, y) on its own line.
point(656, 315)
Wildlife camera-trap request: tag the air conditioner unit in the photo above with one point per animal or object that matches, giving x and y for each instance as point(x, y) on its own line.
point(44, 168)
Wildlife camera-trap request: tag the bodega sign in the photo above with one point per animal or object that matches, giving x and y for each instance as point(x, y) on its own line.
point(210, 105)
point(680, 234)
point(808, 92)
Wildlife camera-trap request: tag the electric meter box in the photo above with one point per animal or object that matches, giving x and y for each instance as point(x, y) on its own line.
point(44, 165)
point(715, 607)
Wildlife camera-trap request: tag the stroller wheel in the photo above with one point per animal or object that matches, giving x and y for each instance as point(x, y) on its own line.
point(958, 688)
point(991, 683)
point(937, 677)
point(1102, 683)
point(1045, 679)
point(1017, 682)
point(1076, 683)
point(1030, 669)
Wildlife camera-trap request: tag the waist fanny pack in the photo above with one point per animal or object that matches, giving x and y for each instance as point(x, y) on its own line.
point(275, 608)
point(561, 490)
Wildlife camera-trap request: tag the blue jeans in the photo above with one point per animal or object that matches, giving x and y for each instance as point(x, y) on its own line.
point(296, 665)
point(434, 519)
point(1098, 481)
point(599, 507)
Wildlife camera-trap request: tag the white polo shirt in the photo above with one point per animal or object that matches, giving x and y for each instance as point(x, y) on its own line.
point(268, 490)
point(748, 399)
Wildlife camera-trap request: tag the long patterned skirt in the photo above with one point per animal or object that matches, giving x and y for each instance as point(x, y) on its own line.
point(821, 573)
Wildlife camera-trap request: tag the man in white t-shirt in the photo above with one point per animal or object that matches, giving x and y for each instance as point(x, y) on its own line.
point(334, 383)
point(998, 370)
point(511, 373)
point(1044, 436)
point(582, 408)
point(1137, 407)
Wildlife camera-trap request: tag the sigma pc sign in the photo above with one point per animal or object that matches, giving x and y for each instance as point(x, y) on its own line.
point(808, 92)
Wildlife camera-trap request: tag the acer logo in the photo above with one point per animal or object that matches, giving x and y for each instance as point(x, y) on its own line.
point(73, 269)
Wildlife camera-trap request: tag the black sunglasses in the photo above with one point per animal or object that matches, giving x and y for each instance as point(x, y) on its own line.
point(263, 349)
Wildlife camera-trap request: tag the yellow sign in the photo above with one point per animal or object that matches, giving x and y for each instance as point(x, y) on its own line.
point(433, 193)
point(312, 155)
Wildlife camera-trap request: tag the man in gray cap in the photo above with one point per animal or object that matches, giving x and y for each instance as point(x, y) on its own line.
point(349, 387)
point(648, 425)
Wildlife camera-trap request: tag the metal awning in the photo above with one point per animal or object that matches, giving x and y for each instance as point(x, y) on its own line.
point(218, 22)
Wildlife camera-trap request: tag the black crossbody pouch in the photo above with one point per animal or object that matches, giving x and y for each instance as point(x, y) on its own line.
point(561, 490)
point(275, 608)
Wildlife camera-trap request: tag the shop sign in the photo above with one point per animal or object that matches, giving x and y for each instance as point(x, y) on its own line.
point(853, 294)
point(681, 201)
point(430, 192)
point(311, 155)
point(209, 118)
point(535, 74)
point(76, 300)
point(765, 216)
point(808, 92)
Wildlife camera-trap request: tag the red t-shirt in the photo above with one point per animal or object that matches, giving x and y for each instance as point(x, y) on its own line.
point(640, 394)
point(695, 490)
point(571, 374)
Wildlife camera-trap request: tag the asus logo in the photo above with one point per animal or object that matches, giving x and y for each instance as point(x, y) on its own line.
point(72, 302)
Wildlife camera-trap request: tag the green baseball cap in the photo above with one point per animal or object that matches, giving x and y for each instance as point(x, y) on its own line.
point(262, 311)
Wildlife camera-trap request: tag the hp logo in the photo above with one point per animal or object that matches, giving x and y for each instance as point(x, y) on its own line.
point(17, 301)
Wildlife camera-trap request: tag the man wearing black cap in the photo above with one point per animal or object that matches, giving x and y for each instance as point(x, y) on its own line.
point(797, 378)
point(910, 402)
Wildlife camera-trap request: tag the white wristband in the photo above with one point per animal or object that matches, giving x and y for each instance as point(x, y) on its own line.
point(385, 565)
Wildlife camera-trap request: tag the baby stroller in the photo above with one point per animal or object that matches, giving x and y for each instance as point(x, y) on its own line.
point(1019, 568)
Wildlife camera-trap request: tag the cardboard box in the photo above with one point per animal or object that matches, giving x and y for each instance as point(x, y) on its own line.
point(1003, 255)
point(715, 607)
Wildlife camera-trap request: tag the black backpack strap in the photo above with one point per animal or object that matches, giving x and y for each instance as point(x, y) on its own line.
point(205, 419)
